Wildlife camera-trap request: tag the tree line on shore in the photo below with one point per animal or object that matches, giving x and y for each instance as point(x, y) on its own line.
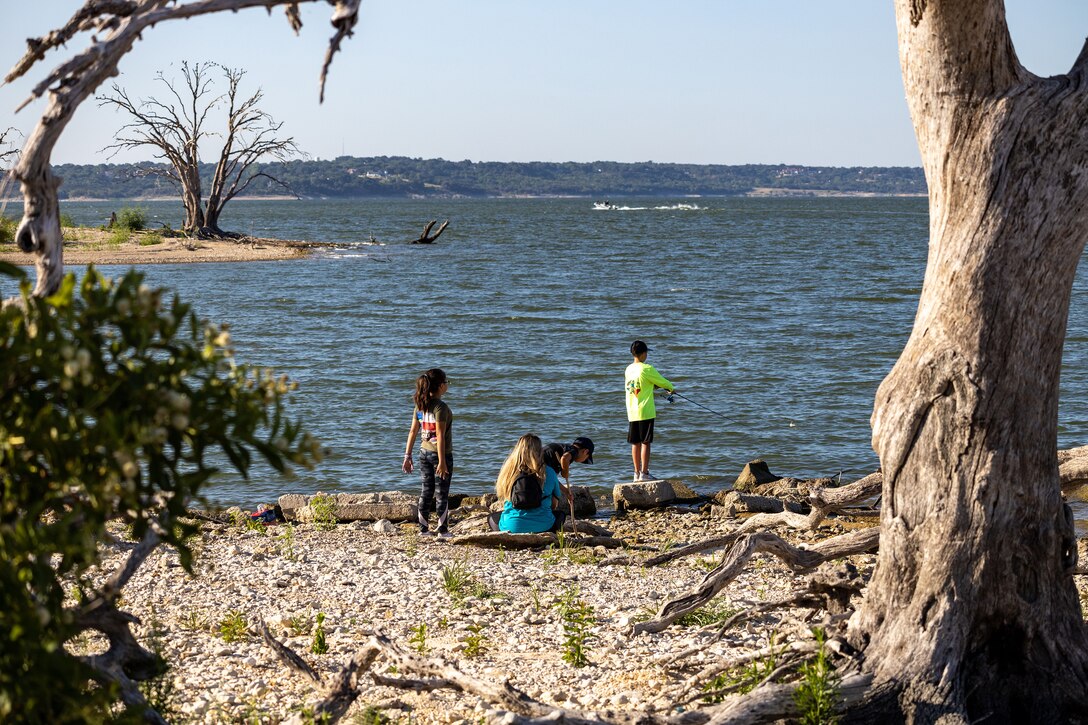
point(399, 176)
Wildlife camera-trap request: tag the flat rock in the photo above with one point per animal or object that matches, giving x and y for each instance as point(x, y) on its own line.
point(1073, 467)
point(650, 494)
point(389, 505)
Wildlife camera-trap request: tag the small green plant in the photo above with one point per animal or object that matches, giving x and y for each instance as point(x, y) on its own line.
point(563, 550)
point(534, 593)
point(194, 622)
point(285, 543)
point(819, 693)
point(319, 646)
point(411, 543)
point(456, 581)
point(118, 237)
point(150, 240)
point(323, 511)
point(131, 219)
point(712, 613)
point(475, 640)
point(578, 622)
point(242, 520)
point(741, 680)
point(370, 716)
point(307, 715)
point(501, 558)
point(299, 625)
point(233, 627)
point(66, 220)
point(418, 640)
point(443, 622)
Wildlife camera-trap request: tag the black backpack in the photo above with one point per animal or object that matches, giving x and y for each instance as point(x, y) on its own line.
point(527, 492)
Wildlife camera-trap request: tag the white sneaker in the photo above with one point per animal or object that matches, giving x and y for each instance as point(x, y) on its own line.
point(645, 476)
point(637, 477)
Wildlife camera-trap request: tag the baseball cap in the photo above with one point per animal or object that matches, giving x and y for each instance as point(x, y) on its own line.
point(584, 443)
point(638, 347)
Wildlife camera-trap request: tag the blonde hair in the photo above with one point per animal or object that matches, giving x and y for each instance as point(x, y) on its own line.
point(527, 456)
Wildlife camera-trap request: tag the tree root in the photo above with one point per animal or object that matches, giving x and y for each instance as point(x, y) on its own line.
point(855, 542)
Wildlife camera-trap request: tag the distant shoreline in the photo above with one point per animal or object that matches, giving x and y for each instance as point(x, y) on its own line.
point(759, 192)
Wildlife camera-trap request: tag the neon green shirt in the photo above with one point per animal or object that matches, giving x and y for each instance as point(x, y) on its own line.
point(641, 379)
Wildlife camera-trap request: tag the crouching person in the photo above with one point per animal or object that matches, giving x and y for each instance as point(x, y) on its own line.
point(529, 491)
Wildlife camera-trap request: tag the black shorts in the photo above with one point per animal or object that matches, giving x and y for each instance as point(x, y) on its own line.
point(640, 431)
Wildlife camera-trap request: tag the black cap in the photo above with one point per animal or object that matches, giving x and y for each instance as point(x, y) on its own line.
point(585, 444)
point(638, 347)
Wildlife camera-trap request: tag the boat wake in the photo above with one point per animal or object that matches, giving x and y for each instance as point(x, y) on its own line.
point(609, 206)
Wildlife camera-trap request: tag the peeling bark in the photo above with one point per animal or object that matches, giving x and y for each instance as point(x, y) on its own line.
point(972, 612)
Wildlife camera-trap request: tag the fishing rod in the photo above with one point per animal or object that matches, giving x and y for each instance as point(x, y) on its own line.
point(669, 397)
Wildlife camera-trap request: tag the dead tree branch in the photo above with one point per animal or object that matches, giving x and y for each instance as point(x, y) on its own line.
point(285, 654)
point(426, 237)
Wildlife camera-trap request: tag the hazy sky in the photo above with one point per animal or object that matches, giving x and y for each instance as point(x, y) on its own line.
point(699, 81)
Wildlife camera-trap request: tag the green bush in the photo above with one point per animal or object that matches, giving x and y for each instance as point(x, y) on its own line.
point(117, 237)
point(131, 218)
point(114, 398)
point(149, 240)
point(7, 230)
point(67, 221)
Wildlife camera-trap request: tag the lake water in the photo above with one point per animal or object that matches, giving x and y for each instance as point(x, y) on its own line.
point(781, 314)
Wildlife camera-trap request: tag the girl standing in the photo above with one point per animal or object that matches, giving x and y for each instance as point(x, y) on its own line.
point(528, 458)
point(432, 420)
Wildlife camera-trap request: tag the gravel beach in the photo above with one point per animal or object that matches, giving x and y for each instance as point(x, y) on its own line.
point(504, 625)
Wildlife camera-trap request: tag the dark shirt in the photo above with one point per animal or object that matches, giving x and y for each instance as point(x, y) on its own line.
point(553, 452)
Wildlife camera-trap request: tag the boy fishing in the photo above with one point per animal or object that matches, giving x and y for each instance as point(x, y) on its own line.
point(639, 384)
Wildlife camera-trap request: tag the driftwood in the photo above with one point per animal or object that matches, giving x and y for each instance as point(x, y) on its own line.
point(823, 501)
point(855, 542)
point(431, 674)
point(426, 237)
point(829, 589)
point(125, 662)
point(285, 653)
point(767, 704)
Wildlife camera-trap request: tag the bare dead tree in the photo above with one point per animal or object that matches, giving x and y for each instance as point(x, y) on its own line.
point(117, 25)
point(175, 128)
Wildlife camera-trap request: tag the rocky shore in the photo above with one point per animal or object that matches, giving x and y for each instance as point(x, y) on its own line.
point(494, 614)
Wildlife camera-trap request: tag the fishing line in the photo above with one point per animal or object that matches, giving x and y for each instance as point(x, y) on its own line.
point(670, 395)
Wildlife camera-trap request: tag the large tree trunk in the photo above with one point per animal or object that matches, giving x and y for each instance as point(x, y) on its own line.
point(972, 611)
point(194, 209)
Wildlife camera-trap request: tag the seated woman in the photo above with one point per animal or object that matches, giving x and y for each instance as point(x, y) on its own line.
point(527, 459)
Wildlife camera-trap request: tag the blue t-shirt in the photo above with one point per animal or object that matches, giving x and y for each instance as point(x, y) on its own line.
point(533, 521)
